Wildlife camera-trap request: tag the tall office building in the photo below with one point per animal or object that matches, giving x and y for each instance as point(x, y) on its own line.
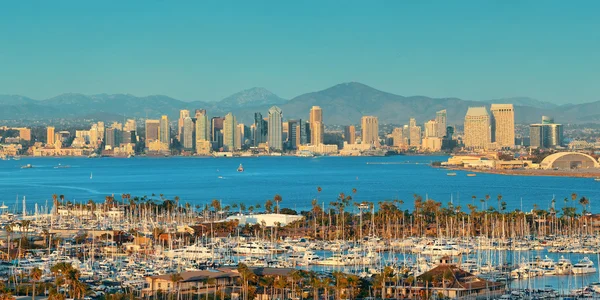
point(187, 133)
point(240, 135)
point(294, 131)
point(275, 129)
point(216, 130)
point(415, 136)
point(229, 132)
point(412, 122)
point(477, 128)
point(184, 113)
point(260, 133)
point(398, 137)
point(503, 125)
point(431, 129)
point(111, 137)
point(546, 134)
point(101, 130)
point(350, 134)
point(317, 126)
point(165, 130)
point(50, 135)
point(202, 126)
point(152, 131)
point(442, 123)
point(370, 130)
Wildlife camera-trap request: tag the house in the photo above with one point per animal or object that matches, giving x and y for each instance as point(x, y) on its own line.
point(195, 281)
point(452, 282)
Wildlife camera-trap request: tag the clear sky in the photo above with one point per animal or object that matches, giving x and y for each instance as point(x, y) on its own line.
point(206, 50)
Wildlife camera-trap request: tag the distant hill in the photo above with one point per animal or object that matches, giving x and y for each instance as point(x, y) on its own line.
point(342, 104)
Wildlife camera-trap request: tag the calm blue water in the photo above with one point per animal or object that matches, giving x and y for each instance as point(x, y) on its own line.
point(196, 180)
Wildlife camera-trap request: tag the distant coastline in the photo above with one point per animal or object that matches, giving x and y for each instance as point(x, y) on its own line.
point(581, 173)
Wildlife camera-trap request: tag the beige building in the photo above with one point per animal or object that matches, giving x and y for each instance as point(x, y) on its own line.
point(316, 125)
point(152, 131)
point(398, 137)
point(432, 144)
point(415, 136)
point(503, 125)
point(431, 129)
point(202, 126)
point(165, 131)
point(158, 146)
point(350, 134)
point(319, 149)
point(477, 128)
point(203, 147)
point(370, 130)
point(59, 151)
point(130, 125)
point(50, 135)
point(184, 113)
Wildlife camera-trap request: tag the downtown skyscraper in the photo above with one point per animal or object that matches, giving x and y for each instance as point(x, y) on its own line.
point(477, 128)
point(503, 125)
point(275, 129)
point(317, 127)
point(165, 130)
point(370, 130)
point(260, 129)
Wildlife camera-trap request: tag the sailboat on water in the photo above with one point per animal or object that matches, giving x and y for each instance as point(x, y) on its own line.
point(90, 175)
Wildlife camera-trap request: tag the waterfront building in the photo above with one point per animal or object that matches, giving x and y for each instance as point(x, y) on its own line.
point(546, 134)
point(152, 131)
point(569, 161)
point(187, 133)
point(50, 135)
point(316, 125)
point(350, 134)
point(441, 121)
point(229, 133)
point(184, 113)
point(275, 129)
point(370, 130)
point(477, 128)
point(165, 130)
point(319, 149)
point(503, 125)
point(432, 143)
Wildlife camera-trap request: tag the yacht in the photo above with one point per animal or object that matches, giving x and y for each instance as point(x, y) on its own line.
point(564, 266)
point(240, 168)
point(311, 258)
point(451, 174)
point(335, 260)
point(27, 166)
point(251, 248)
point(471, 175)
point(191, 252)
point(584, 266)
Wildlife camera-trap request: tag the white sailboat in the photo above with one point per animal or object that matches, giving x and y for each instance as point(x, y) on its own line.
point(90, 175)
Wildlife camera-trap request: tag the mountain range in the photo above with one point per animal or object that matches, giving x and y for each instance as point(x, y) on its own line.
point(342, 104)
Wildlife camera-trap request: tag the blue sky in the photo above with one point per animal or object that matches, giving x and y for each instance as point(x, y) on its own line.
point(206, 50)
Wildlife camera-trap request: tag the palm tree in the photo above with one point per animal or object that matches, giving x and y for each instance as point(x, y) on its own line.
point(35, 275)
point(176, 279)
point(277, 199)
point(9, 231)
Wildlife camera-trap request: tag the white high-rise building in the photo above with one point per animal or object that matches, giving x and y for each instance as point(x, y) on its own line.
point(477, 128)
point(275, 129)
point(503, 125)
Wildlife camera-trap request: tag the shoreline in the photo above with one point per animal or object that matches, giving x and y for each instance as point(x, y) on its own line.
point(531, 172)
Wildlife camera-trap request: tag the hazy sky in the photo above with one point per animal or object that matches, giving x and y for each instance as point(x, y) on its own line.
point(206, 50)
